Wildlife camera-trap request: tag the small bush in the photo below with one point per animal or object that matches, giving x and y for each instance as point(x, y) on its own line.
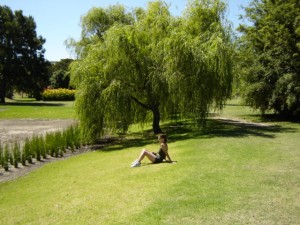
point(9, 154)
point(16, 154)
point(27, 151)
point(59, 143)
point(1, 155)
point(6, 158)
point(43, 147)
point(35, 148)
point(23, 159)
point(69, 135)
point(60, 94)
point(49, 145)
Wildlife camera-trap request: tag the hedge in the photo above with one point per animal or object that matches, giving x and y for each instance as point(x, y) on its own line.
point(60, 94)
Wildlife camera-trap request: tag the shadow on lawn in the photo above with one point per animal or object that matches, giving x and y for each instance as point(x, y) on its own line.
point(228, 128)
point(178, 131)
point(276, 118)
point(126, 141)
point(32, 103)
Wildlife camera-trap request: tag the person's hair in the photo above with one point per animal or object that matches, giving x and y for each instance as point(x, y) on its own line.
point(164, 137)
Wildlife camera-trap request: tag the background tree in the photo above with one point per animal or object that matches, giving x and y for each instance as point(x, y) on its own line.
point(270, 56)
point(22, 63)
point(60, 75)
point(153, 63)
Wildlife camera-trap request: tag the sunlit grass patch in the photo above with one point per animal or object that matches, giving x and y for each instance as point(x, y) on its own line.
point(29, 108)
point(227, 173)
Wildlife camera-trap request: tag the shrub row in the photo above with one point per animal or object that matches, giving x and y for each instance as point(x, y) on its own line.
point(60, 94)
point(39, 147)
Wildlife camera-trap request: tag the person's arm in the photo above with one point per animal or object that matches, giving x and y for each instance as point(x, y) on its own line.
point(165, 149)
point(168, 156)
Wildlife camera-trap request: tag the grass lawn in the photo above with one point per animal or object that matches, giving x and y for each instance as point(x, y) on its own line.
point(228, 173)
point(30, 108)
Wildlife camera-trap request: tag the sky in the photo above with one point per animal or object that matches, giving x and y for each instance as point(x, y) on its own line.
point(59, 20)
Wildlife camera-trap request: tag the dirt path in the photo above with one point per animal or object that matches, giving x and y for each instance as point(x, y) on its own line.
point(239, 121)
point(19, 129)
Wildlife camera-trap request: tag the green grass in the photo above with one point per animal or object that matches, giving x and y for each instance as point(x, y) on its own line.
point(29, 108)
point(227, 173)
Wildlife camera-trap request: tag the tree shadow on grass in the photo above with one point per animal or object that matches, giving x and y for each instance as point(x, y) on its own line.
point(229, 128)
point(276, 118)
point(233, 128)
point(132, 140)
point(32, 103)
point(184, 130)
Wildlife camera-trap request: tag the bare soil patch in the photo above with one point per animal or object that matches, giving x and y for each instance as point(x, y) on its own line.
point(19, 129)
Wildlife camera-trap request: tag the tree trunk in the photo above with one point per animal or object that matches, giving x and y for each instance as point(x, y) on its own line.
point(3, 90)
point(156, 119)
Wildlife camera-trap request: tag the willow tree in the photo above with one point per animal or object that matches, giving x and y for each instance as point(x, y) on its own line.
point(154, 63)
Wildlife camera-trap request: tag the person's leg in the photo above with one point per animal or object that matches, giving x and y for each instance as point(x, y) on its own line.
point(148, 154)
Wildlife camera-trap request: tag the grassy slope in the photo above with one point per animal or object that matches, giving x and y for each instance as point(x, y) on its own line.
point(226, 174)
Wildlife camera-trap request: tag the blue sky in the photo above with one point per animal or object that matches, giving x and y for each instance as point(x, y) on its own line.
point(58, 20)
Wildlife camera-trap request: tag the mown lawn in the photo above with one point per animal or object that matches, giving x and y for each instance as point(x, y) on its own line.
point(227, 173)
point(29, 108)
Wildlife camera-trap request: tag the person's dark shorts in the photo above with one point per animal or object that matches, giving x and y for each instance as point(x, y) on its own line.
point(157, 160)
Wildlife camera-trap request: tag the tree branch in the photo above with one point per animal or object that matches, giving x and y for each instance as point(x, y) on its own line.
point(140, 103)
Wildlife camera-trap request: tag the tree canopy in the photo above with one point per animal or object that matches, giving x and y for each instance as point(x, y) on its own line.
point(151, 62)
point(270, 56)
point(22, 63)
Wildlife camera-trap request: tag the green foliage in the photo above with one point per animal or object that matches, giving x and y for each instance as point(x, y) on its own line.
point(270, 56)
point(60, 77)
point(1, 155)
point(156, 64)
point(6, 158)
point(49, 143)
point(35, 148)
point(22, 65)
point(59, 144)
point(38, 147)
point(94, 25)
point(9, 154)
point(27, 150)
point(77, 138)
point(23, 159)
point(200, 60)
point(60, 94)
point(70, 137)
point(16, 154)
point(43, 147)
